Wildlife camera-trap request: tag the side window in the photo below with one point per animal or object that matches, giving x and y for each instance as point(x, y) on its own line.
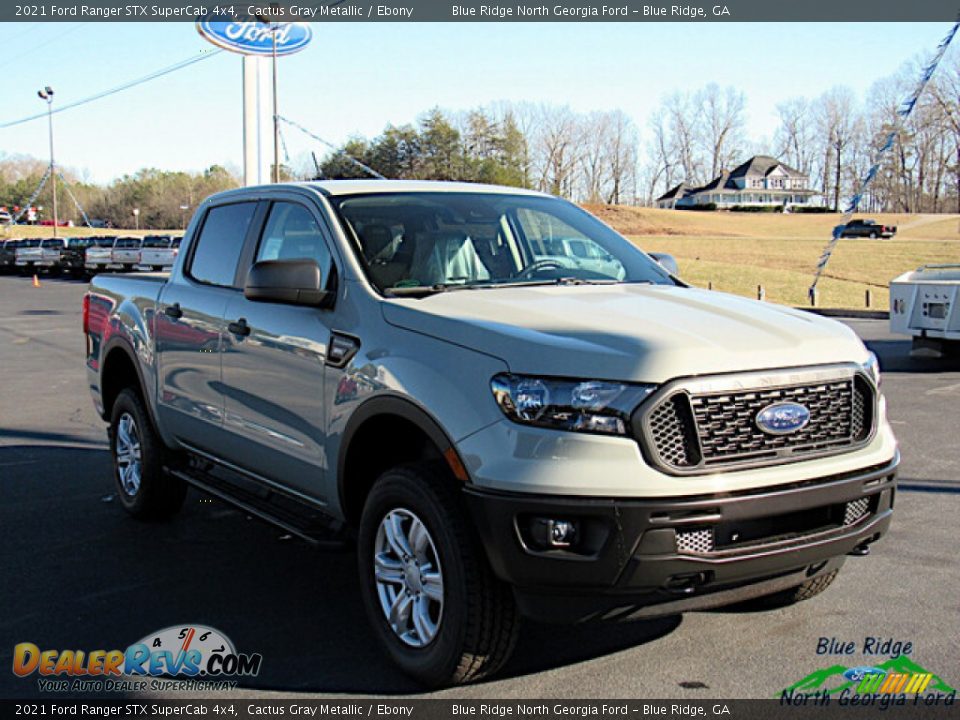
point(291, 233)
point(220, 243)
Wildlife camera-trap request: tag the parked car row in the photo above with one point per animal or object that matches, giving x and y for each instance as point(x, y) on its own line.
point(88, 255)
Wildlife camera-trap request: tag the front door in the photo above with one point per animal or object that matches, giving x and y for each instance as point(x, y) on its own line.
point(273, 366)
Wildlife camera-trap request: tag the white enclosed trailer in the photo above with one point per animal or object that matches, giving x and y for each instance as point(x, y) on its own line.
point(925, 304)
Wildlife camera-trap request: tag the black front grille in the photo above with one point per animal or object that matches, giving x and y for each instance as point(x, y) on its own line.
point(673, 433)
point(727, 427)
point(690, 431)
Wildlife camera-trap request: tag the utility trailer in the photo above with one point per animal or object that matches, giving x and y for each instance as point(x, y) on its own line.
point(925, 304)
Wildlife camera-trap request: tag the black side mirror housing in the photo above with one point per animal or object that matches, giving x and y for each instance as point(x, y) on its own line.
point(292, 282)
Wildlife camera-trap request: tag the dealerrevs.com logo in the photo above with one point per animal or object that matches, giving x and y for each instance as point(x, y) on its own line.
point(202, 656)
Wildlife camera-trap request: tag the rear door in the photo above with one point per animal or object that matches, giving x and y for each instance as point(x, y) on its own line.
point(273, 364)
point(189, 327)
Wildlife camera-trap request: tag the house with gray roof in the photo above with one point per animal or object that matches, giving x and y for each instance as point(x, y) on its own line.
point(760, 181)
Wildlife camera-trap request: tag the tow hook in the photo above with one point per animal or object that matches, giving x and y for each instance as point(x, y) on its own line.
point(685, 584)
point(860, 550)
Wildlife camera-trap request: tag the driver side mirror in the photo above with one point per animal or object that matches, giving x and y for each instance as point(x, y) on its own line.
point(667, 262)
point(292, 282)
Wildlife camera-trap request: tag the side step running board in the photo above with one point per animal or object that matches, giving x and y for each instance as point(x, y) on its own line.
point(323, 534)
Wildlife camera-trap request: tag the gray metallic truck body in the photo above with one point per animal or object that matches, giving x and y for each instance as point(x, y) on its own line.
point(317, 402)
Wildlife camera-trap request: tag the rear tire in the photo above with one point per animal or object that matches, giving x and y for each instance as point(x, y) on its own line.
point(144, 489)
point(474, 629)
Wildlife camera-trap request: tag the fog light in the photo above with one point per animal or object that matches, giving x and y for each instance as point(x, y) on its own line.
point(552, 533)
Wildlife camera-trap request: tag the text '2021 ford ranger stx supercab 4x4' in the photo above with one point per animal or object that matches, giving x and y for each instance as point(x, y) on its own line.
point(504, 431)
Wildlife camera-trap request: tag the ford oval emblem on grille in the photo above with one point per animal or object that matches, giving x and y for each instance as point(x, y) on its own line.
point(783, 418)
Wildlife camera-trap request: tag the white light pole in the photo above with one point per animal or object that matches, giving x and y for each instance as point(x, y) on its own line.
point(136, 217)
point(47, 95)
point(183, 216)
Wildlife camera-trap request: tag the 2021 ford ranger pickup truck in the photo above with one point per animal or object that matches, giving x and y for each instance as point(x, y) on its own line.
point(503, 433)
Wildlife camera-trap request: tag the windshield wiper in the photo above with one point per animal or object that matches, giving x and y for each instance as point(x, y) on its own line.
point(426, 290)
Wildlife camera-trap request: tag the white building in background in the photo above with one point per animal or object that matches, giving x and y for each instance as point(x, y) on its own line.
point(760, 181)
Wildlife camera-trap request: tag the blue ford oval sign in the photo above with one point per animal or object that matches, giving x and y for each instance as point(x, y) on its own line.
point(254, 38)
point(783, 418)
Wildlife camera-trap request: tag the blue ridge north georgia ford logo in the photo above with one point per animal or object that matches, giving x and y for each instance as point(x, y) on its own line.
point(783, 418)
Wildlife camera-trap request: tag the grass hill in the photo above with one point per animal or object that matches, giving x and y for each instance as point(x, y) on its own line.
point(739, 251)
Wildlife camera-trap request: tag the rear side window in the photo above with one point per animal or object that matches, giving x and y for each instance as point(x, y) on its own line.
point(218, 248)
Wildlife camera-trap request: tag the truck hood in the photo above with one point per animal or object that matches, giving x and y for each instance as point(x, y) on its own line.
point(642, 333)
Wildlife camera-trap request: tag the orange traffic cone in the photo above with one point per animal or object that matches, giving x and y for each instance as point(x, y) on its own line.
point(36, 281)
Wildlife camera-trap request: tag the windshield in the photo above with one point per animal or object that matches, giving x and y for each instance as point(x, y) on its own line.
point(412, 242)
point(156, 241)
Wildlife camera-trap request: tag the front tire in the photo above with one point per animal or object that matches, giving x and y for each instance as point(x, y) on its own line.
point(427, 587)
point(144, 489)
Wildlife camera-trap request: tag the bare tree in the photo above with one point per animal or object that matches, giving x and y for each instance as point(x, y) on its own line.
point(622, 144)
point(661, 165)
point(837, 124)
point(946, 93)
point(683, 121)
point(721, 123)
point(558, 149)
point(794, 136)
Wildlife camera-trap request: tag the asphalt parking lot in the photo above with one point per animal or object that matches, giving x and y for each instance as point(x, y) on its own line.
point(76, 572)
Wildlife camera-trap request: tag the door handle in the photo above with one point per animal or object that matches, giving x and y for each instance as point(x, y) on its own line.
point(173, 311)
point(239, 327)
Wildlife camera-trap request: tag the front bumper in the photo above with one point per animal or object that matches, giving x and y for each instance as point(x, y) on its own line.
point(627, 559)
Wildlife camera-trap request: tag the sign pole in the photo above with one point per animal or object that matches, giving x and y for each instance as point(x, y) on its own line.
point(260, 39)
point(251, 121)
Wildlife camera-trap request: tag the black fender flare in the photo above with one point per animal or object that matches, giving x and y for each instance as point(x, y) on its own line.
point(403, 408)
point(123, 344)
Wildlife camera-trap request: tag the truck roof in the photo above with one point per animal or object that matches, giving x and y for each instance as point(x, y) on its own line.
point(350, 187)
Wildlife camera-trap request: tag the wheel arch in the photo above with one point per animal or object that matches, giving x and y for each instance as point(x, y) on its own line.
point(120, 370)
point(403, 432)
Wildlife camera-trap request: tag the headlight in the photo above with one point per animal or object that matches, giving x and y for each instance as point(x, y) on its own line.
point(872, 368)
point(593, 406)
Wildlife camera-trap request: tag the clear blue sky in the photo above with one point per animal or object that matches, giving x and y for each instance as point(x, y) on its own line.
point(356, 78)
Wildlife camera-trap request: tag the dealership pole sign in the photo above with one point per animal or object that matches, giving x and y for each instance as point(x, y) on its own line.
point(256, 38)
